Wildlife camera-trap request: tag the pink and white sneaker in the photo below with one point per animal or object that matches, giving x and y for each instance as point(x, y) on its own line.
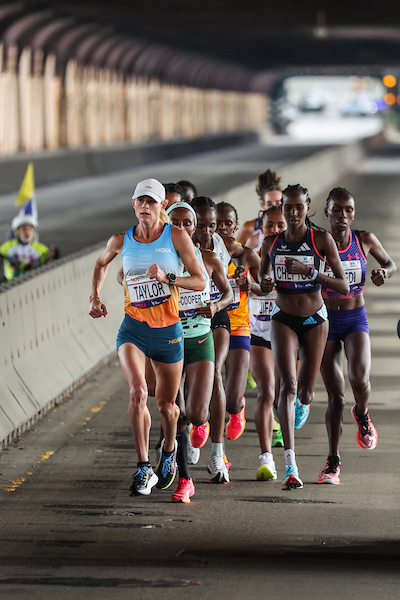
point(331, 472)
point(367, 436)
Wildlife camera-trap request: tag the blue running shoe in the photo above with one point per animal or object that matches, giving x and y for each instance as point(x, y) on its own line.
point(166, 468)
point(291, 480)
point(301, 412)
point(143, 480)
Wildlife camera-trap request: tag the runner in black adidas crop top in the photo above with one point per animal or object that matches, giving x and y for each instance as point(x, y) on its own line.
point(348, 329)
point(306, 252)
point(299, 317)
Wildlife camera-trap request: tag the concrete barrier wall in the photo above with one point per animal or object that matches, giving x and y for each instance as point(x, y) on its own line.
point(49, 342)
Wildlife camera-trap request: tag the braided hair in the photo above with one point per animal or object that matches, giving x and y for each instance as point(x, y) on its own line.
point(268, 182)
point(304, 191)
point(271, 209)
point(202, 201)
point(336, 193)
point(230, 206)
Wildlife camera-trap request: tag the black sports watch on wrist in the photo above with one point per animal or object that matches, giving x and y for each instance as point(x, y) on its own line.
point(171, 278)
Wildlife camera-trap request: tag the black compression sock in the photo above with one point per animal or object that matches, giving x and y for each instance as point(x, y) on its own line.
point(168, 453)
point(145, 463)
point(181, 455)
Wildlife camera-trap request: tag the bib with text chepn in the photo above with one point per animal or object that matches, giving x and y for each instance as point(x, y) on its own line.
point(145, 292)
point(190, 303)
point(215, 294)
point(353, 270)
point(282, 275)
point(261, 307)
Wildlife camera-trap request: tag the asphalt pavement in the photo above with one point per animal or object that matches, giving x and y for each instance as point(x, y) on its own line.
point(69, 528)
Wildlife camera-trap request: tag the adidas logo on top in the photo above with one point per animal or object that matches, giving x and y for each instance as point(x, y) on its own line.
point(310, 321)
point(304, 248)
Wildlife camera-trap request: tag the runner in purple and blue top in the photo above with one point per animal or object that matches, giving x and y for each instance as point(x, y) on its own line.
point(348, 324)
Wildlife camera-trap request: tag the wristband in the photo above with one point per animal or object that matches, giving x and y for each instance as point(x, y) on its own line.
point(94, 298)
point(384, 273)
point(313, 273)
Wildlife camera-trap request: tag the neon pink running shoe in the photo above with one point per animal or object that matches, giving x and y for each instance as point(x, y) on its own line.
point(331, 472)
point(184, 491)
point(236, 424)
point(367, 436)
point(199, 434)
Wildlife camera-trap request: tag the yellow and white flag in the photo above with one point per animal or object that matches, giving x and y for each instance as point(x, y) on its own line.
point(27, 189)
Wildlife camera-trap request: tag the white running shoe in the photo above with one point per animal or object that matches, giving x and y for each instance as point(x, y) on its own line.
point(217, 469)
point(267, 470)
point(143, 480)
point(193, 453)
point(158, 452)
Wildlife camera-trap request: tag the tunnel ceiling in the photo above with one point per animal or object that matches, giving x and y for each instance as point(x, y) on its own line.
point(258, 38)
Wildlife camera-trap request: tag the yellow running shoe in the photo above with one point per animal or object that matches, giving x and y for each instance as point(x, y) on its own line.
point(250, 383)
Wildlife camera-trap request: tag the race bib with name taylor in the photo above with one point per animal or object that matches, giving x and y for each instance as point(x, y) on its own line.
point(145, 292)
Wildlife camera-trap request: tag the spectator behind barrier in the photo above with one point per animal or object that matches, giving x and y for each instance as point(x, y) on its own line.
point(23, 253)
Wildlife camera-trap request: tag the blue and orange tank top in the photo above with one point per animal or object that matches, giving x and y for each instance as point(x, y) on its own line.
point(354, 263)
point(148, 300)
point(304, 251)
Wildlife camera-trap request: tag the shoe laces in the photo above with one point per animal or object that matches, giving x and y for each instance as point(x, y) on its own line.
point(167, 464)
point(291, 470)
point(364, 425)
point(237, 419)
point(202, 429)
point(218, 462)
point(141, 474)
point(332, 464)
point(183, 484)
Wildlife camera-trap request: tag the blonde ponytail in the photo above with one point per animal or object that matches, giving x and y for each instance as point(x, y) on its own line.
point(164, 217)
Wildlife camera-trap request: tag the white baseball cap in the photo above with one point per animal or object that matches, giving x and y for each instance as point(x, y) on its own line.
point(150, 187)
